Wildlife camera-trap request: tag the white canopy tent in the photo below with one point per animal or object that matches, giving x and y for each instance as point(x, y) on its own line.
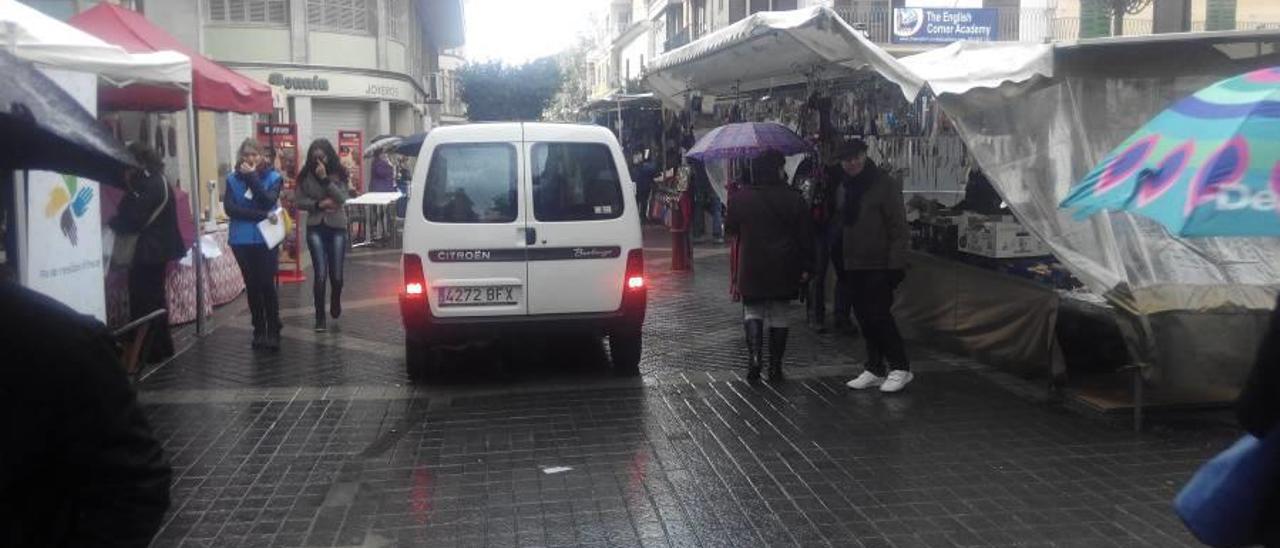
point(772, 49)
point(53, 44)
point(46, 41)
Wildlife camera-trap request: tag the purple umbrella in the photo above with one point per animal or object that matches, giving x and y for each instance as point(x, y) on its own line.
point(747, 140)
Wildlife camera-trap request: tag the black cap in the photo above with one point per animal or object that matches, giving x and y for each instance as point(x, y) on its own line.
point(849, 149)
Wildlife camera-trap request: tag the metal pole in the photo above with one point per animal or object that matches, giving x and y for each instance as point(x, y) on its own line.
point(197, 257)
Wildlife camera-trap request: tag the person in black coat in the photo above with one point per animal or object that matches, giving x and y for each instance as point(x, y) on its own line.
point(1258, 411)
point(775, 243)
point(79, 465)
point(149, 210)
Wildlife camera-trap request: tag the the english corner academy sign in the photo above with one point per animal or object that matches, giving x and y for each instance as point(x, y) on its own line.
point(944, 25)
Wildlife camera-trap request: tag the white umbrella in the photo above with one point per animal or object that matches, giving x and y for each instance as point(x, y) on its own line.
point(385, 143)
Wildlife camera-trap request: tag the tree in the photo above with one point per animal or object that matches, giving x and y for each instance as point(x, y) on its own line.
point(579, 76)
point(494, 91)
point(1117, 9)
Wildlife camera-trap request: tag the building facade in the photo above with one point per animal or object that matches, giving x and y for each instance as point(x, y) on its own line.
point(371, 67)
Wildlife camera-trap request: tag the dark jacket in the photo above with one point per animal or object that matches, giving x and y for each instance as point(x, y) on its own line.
point(160, 241)
point(877, 240)
point(1258, 408)
point(79, 465)
point(775, 242)
point(312, 190)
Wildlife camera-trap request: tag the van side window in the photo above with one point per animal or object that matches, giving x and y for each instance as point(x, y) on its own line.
point(472, 183)
point(575, 182)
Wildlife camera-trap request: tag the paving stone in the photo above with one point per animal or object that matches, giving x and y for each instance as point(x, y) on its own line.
point(325, 444)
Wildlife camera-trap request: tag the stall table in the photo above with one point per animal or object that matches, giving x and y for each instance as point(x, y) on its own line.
point(376, 212)
point(223, 284)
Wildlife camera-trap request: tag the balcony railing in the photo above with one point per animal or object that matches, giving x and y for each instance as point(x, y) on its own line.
point(676, 40)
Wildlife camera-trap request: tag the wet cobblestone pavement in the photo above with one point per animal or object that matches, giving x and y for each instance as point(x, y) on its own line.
point(324, 444)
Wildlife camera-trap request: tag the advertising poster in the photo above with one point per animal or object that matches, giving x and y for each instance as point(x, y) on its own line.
point(280, 141)
point(63, 235)
point(944, 25)
point(350, 153)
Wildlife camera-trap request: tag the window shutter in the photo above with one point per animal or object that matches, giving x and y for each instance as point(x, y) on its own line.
point(278, 12)
point(257, 11)
point(315, 13)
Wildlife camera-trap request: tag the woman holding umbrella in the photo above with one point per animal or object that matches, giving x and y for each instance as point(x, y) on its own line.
point(770, 225)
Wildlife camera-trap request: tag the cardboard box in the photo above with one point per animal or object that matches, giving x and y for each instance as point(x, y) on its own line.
point(1001, 240)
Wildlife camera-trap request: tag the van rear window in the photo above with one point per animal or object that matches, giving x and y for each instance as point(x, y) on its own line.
point(575, 182)
point(472, 183)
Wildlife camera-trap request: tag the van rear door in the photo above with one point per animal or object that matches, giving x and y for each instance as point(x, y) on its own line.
point(579, 213)
point(475, 256)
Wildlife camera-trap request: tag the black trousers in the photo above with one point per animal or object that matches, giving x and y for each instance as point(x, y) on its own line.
point(871, 292)
point(258, 265)
point(826, 251)
point(147, 295)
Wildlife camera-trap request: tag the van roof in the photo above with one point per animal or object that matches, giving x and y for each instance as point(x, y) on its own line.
point(532, 131)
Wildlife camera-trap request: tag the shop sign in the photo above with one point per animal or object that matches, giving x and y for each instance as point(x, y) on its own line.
point(63, 231)
point(282, 139)
point(944, 25)
point(314, 83)
point(350, 153)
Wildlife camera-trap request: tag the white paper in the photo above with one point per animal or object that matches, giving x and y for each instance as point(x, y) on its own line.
point(273, 233)
point(375, 198)
point(208, 247)
point(556, 469)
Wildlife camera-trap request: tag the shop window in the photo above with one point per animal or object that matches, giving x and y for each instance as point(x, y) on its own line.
point(472, 183)
point(260, 12)
point(353, 16)
point(575, 182)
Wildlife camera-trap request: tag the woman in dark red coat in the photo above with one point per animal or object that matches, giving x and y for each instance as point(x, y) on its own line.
point(771, 224)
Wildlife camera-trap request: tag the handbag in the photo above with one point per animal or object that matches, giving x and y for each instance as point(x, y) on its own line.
point(126, 245)
point(1223, 503)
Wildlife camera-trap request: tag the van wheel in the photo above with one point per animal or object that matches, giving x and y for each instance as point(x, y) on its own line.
point(420, 360)
point(624, 349)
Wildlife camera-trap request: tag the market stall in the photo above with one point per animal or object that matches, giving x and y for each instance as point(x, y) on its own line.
point(59, 240)
point(1033, 118)
point(214, 88)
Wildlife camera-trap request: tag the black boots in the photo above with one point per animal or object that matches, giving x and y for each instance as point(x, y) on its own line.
point(755, 348)
point(318, 300)
point(335, 300)
point(777, 349)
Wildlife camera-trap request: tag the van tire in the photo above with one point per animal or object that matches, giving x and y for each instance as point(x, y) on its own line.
point(420, 361)
point(624, 350)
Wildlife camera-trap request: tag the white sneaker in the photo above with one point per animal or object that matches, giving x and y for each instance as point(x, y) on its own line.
point(897, 381)
point(864, 381)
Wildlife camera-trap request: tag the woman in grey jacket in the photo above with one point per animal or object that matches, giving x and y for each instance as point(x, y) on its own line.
point(322, 189)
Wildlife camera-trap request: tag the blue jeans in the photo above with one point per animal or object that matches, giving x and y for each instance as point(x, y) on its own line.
point(328, 247)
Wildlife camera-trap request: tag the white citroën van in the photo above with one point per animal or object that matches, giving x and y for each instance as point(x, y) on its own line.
point(517, 228)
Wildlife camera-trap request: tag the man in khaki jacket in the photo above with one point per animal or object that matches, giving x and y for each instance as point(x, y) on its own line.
point(873, 259)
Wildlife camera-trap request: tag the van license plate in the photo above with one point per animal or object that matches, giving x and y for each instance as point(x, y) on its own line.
point(477, 296)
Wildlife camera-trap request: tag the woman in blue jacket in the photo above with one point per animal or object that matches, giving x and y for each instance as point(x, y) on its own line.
point(252, 193)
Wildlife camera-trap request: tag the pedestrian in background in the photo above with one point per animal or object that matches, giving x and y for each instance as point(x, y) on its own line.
point(252, 194)
point(148, 211)
point(771, 224)
point(874, 235)
point(324, 186)
point(382, 175)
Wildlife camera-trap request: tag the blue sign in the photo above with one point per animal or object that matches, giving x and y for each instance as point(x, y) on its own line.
point(944, 25)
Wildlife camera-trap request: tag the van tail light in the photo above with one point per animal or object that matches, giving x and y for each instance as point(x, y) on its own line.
point(415, 282)
point(635, 270)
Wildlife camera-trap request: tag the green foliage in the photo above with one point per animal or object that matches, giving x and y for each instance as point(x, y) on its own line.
point(494, 91)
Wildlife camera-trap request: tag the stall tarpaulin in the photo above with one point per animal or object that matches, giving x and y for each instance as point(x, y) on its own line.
point(45, 41)
point(1038, 118)
point(214, 87)
point(772, 49)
